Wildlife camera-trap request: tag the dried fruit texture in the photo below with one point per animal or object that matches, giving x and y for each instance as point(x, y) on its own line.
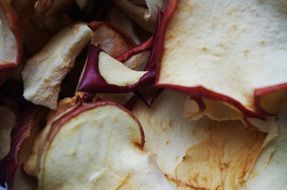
point(237, 55)
point(104, 74)
point(144, 15)
point(10, 38)
point(45, 71)
point(100, 145)
point(110, 40)
point(201, 154)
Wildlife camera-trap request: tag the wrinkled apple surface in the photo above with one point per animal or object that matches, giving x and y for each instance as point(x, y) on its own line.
point(10, 37)
point(236, 55)
point(45, 71)
point(201, 154)
point(98, 146)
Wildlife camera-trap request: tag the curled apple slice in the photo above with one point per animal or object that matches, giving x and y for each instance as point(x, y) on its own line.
point(104, 74)
point(45, 71)
point(201, 154)
point(144, 14)
point(10, 37)
point(98, 146)
point(237, 55)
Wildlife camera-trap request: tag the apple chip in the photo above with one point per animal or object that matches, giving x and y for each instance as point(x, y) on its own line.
point(45, 71)
point(270, 169)
point(109, 39)
point(236, 55)
point(10, 37)
point(202, 154)
point(103, 74)
point(98, 146)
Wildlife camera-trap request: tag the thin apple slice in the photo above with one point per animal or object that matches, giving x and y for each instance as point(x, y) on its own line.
point(270, 169)
point(111, 40)
point(145, 16)
point(45, 71)
point(98, 146)
point(10, 37)
point(201, 154)
point(237, 55)
point(104, 74)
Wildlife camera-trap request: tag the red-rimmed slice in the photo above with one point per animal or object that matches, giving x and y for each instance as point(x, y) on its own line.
point(10, 37)
point(98, 146)
point(103, 74)
point(45, 71)
point(202, 154)
point(237, 55)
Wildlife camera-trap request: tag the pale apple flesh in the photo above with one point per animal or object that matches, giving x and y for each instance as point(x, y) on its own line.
point(10, 38)
point(235, 55)
point(45, 71)
point(202, 154)
point(100, 144)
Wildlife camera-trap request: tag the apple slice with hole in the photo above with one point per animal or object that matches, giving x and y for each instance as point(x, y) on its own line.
point(202, 154)
point(45, 71)
point(145, 16)
point(10, 38)
point(98, 146)
point(104, 74)
point(237, 55)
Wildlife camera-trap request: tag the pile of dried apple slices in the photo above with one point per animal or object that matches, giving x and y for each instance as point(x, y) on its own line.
point(143, 95)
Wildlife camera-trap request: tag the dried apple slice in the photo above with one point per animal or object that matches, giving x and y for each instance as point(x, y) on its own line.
point(201, 154)
point(110, 40)
point(237, 55)
point(98, 146)
point(104, 74)
point(23, 135)
point(10, 37)
point(45, 71)
point(145, 16)
point(270, 169)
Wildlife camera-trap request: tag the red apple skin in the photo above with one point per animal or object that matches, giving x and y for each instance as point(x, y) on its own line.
point(80, 108)
point(138, 49)
point(93, 82)
point(19, 134)
point(14, 26)
point(200, 91)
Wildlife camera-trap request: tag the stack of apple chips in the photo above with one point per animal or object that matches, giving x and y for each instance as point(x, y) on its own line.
point(143, 95)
